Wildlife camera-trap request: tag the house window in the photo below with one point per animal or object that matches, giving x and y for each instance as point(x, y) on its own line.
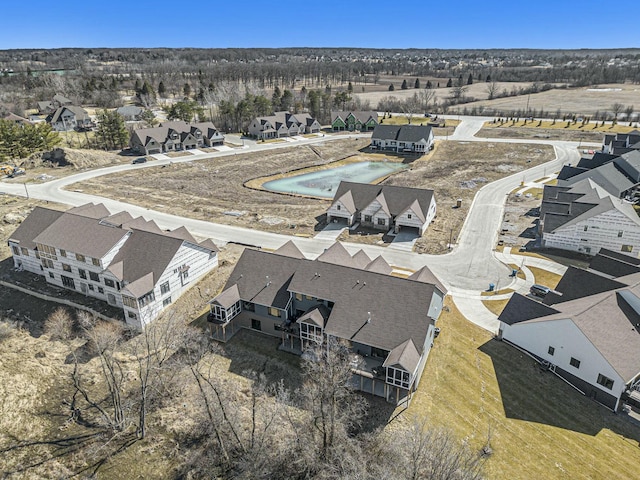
point(311, 333)
point(24, 251)
point(382, 221)
point(66, 268)
point(409, 216)
point(94, 276)
point(586, 228)
point(620, 234)
point(166, 301)
point(68, 282)
point(51, 275)
point(255, 324)
point(109, 283)
point(63, 253)
point(337, 207)
point(95, 261)
point(46, 263)
point(399, 378)
point(164, 288)
point(367, 218)
point(309, 297)
point(274, 312)
point(80, 258)
point(627, 248)
point(551, 350)
point(132, 315)
point(146, 299)
point(248, 306)
point(100, 289)
point(605, 382)
point(574, 362)
point(83, 273)
point(299, 297)
point(129, 302)
point(16, 251)
point(91, 287)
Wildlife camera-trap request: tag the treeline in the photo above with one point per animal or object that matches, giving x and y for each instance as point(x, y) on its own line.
point(169, 387)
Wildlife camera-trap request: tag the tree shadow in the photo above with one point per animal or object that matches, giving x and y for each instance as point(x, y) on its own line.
point(531, 394)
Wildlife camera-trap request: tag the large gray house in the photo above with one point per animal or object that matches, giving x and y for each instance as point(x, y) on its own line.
point(388, 322)
point(176, 135)
point(68, 118)
point(283, 124)
point(383, 207)
point(409, 139)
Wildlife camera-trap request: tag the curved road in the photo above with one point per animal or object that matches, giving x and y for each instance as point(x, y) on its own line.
point(470, 266)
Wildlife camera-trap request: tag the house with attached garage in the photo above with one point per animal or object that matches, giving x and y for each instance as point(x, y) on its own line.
point(283, 124)
point(352, 121)
point(127, 262)
point(587, 331)
point(383, 207)
point(68, 118)
point(409, 139)
point(387, 322)
point(584, 218)
point(174, 136)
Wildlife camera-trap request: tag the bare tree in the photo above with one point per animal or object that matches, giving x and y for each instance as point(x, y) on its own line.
point(628, 112)
point(492, 89)
point(616, 109)
point(59, 325)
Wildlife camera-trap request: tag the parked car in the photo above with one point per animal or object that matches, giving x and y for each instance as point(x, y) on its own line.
point(140, 160)
point(539, 290)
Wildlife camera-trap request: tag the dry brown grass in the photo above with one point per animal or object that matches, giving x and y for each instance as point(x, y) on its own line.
point(540, 426)
point(545, 277)
point(495, 306)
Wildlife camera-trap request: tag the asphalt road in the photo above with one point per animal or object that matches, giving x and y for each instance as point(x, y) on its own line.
point(470, 266)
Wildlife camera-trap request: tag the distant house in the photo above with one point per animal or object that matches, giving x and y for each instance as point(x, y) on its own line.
point(173, 136)
point(589, 333)
point(69, 117)
point(412, 139)
point(127, 262)
point(621, 142)
point(352, 121)
point(387, 322)
point(12, 117)
point(383, 207)
point(130, 113)
point(283, 124)
point(585, 218)
point(47, 107)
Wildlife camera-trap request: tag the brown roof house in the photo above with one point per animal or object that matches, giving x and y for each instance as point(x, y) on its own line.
point(588, 330)
point(127, 262)
point(176, 135)
point(383, 207)
point(388, 322)
point(283, 124)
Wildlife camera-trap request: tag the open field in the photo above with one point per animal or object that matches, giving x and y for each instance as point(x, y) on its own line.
point(540, 427)
point(579, 101)
point(207, 189)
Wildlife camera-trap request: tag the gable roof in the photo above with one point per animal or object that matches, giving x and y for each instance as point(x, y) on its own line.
point(379, 265)
point(580, 283)
point(521, 308)
point(32, 226)
point(404, 355)
point(79, 112)
point(289, 249)
point(362, 116)
point(402, 133)
point(425, 275)
point(336, 254)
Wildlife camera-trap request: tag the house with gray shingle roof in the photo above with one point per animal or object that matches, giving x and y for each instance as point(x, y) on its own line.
point(283, 124)
point(383, 207)
point(127, 262)
point(363, 121)
point(130, 113)
point(407, 139)
point(174, 136)
point(585, 218)
point(588, 333)
point(69, 117)
point(621, 142)
point(388, 322)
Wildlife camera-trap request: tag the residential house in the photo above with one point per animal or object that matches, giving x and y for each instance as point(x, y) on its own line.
point(588, 333)
point(130, 113)
point(69, 117)
point(620, 143)
point(47, 107)
point(127, 262)
point(383, 207)
point(411, 139)
point(12, 117)
point(585, 218)
point(283, 124)
point(387, 322)
point(618, 175)
point(352, 121)
point(173, 136)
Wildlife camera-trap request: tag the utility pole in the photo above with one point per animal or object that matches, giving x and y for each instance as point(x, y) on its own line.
point(25, 189)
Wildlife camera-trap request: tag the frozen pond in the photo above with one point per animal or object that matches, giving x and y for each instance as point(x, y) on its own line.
point(324, 183)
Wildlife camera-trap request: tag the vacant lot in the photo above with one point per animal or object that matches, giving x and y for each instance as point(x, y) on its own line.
point(539, 427)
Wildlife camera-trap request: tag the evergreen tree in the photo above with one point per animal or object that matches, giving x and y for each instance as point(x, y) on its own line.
point(417, 83)
point(450, 83)
point(186, 90)
point(404, 85)
point(111, 133)
point(429, 84)
point(470, 80)
point(391, 87)
point(162, 90)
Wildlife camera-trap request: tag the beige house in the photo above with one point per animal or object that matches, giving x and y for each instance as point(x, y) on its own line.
point(283, 124)
point(174, 136)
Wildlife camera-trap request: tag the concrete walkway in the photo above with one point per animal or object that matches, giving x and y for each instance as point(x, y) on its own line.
point(331, 232)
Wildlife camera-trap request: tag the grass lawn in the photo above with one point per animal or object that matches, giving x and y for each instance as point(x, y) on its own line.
point(545, 277)
point(495, 306)
point(541, 428)
point(566, 125)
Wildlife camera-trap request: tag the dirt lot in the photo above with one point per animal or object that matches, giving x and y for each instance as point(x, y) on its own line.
point(454, 170)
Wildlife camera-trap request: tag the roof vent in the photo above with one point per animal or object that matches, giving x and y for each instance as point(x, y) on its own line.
point(368, 317)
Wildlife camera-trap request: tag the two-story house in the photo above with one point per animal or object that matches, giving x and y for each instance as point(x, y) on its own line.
point(383, 207)
point(283, 124)
point(406, 139)
point(387, 322)
point(174, 136)
point(127, 262)
point(69, 117)
point(363, 121)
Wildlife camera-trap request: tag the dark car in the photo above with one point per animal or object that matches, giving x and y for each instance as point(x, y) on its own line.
point(140, 160)
point(539, 290)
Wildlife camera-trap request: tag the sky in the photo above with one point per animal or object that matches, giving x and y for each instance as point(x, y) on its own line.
point(445, 24)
